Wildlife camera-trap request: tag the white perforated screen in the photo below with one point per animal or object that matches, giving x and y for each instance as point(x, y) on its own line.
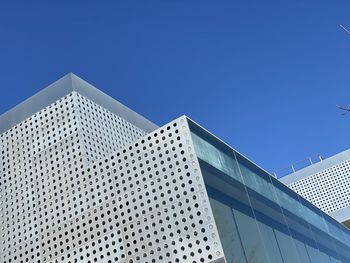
point(79, 184)
point(328, 189)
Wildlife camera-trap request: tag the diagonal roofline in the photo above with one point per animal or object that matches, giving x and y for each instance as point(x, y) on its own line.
point(316, 167)
point(61, 88)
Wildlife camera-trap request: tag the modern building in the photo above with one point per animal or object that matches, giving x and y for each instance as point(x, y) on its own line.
point(85, 179)
point(325, 184)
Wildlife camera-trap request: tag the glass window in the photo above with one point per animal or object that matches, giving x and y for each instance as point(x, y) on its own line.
point(287, 247)
point(270, 242)
point(229, 235)
point(335, 231)
point(335, 260)
point(324, 257)
point(314, 254)
point(253, 180)
point(304, 256)
point(215, 157)
point(271, 223)
point(251, 239)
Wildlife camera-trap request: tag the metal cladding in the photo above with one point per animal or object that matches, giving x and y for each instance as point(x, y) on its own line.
point(84, 179)
point(81, 184)
point(326, 185)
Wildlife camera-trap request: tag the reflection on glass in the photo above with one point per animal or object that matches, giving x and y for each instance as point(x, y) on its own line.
point(304, 256)
point(324, 258)
point(288, 249)
point(228, 232)
point(251, 239)
point(269, 223)
point(215, 157)
point(270, 242)
point(314, 253)
point(252, 180)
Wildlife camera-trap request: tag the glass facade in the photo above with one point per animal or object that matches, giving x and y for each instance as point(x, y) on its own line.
point(259, 219)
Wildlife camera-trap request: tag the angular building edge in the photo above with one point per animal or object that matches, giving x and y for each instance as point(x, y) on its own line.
point(316, 167)
point(342, 214)
point(59, 89)
point(161, 179)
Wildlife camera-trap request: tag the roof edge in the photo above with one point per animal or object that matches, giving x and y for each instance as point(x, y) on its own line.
point(316, 167)
point(342, 214)
point(89, 91)
point(35, 103)
point(61, 88)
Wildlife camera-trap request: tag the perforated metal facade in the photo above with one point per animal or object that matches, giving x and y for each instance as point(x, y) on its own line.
point(79, 185)
point(83, 180)
point(329, 189)
point(326, 185)
point(43, 159)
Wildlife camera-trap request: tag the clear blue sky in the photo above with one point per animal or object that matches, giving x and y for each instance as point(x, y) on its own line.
point(262, 75)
